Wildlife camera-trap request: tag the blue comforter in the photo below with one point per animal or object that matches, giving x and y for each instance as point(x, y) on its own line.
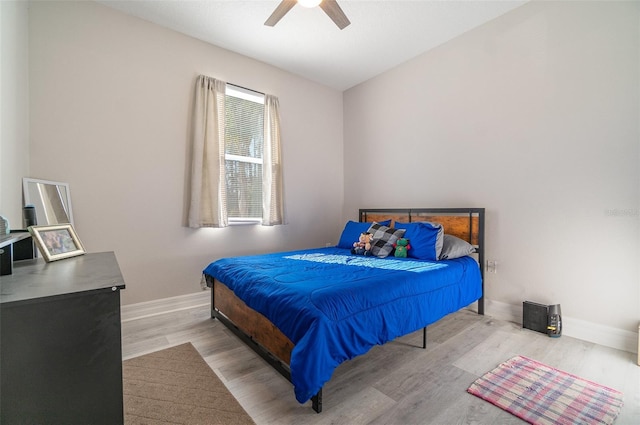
point(335, 306)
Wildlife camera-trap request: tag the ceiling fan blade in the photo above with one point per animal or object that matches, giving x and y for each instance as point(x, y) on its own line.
point(334, 11)
point(280, 11)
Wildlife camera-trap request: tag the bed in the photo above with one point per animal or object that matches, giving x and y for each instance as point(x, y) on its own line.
point(305, 312)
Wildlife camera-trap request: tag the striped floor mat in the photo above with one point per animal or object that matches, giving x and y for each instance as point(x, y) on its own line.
point(540, 394)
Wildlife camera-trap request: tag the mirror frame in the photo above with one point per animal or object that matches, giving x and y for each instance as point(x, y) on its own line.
point(29, 201)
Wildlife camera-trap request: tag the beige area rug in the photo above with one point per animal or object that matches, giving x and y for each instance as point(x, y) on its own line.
point(177, 386)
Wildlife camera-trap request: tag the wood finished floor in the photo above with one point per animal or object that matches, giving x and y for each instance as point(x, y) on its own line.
point(398, 383)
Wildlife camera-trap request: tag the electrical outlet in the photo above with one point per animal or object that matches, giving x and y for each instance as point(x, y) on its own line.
point(492, 266)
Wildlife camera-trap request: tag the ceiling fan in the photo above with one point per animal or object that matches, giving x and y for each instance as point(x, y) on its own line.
point(330, 7)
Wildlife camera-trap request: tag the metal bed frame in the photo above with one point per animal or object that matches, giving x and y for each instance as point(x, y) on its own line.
point(473, 233)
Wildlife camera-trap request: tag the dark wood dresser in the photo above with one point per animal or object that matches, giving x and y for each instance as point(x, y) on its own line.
point(60, 342)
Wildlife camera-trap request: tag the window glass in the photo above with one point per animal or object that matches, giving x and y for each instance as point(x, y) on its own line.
point(244, 119)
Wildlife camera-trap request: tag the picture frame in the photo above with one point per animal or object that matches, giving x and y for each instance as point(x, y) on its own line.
point(57, 242)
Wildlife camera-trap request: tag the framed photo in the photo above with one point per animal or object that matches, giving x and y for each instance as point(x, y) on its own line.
point(57, 242)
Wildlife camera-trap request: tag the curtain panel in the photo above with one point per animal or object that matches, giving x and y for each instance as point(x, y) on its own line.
point(272, 202)
point(208, 206)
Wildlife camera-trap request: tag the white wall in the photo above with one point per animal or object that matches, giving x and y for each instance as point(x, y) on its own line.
point(14, 108)
point(533, 116)
point(110, 99)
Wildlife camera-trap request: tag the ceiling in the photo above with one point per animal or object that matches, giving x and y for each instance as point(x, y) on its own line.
point(382, 34)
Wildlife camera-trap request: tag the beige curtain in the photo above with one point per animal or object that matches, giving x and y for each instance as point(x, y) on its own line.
point(272, 196)
point(208, 206)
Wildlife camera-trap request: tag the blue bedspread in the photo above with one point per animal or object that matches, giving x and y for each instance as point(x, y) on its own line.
point(335, 306)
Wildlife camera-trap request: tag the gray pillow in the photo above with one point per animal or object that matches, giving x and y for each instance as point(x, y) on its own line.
point(453, 247)
point(383, 238)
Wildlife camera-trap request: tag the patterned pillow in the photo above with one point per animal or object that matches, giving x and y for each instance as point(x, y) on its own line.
point(383, 239)
point(352, 231)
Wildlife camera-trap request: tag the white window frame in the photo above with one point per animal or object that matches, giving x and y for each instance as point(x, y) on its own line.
point(251, 96)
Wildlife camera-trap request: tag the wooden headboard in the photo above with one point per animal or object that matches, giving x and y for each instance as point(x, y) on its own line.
point(465, 223)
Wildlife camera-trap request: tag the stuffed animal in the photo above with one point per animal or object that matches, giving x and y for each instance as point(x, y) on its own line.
point(363, 246)
point(402, 246)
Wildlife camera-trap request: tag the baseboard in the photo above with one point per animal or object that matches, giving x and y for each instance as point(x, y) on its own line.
point(576, 328)
point(165, 305)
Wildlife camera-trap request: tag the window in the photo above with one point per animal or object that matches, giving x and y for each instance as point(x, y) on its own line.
point(236, 163)
point(243, 138)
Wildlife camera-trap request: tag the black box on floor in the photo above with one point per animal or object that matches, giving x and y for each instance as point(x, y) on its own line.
point(535, 316)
